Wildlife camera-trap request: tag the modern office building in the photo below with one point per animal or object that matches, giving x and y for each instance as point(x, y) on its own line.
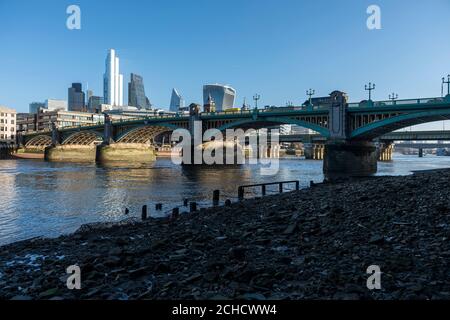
point(136, 93)
point(113, 80)
point(7, 124)
point(95, 103)
point(76, 98)
point(55, 105)
point(35, 106)
point(223, 96)
point(176, 101)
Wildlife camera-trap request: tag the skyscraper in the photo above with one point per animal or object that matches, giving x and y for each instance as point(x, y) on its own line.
point(222, 95)
point(176, 101)
point(113, 81)
point(76, 100)
point(136, 93)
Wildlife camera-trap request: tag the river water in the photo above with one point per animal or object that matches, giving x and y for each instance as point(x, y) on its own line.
point(38, 198)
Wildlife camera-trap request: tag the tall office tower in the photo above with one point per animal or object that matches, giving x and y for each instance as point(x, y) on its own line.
point(76, 100)
point(136, 93)
point(223, 95)
point(113, 81)
point(176, 101)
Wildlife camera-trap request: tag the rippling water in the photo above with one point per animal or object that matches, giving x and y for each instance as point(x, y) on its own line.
point(38, 198)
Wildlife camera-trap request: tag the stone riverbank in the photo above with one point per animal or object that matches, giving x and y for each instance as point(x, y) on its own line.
point(315, 243)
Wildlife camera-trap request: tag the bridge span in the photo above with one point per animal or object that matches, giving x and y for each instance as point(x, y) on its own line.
point(348, 130)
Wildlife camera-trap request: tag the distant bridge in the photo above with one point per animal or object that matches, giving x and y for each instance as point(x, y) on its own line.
point(392, 136)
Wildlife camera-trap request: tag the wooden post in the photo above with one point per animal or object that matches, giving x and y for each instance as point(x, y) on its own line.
point(227, 203)
point(241, 193)
point(175, 212)
point(193, 207)
point(185, 202)
point(144, 212)
point(281, 187)
point(158, 206)
point(216, 197)
point(297, 185)
point(263, 187)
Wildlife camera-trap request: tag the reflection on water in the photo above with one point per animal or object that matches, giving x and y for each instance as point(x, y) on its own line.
point(47, 199)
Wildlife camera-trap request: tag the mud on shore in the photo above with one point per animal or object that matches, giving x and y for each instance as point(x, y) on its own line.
point(315, 243)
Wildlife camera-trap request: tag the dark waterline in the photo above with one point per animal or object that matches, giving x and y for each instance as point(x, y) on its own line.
point(38, 198)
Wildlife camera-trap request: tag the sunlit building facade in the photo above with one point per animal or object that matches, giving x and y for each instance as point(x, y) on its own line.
point(223, 96)
point(113, 80)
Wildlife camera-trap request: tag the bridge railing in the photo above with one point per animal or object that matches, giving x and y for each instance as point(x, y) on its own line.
point(386, 103)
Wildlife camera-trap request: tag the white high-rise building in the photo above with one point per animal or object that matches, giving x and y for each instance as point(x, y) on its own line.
point(113, 81)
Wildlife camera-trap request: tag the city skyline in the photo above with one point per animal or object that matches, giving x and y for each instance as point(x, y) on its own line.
point(278, 58)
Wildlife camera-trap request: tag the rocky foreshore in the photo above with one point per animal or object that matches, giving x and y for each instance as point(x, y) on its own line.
point(315, 243)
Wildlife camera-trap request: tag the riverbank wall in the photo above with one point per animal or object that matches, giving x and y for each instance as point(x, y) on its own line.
point(316, 243)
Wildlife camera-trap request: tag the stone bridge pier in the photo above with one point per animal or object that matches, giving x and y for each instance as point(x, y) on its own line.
point(345, 157)
point(135, 147)
point(314, 151)
point(76, 148)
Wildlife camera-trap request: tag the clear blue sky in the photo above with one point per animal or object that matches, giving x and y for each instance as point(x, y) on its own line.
point(278, 49)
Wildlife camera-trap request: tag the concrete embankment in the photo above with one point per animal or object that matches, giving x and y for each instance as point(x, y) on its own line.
point(315, 243)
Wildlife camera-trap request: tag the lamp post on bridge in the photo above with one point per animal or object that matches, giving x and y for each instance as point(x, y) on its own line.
point(370, 88)
point(393, 96)
point(310, 93)
point(256, 97)
point(445, 83)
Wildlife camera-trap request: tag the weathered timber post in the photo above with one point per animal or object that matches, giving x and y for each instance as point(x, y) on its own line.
point(193, 207)
point(216, 197)
point(144, 213)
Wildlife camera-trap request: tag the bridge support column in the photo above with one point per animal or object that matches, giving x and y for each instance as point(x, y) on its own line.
point(308, 150)
point(126, 153)
point(70, 153)
point(421, 154)
point(385, 151)
point(344, 159)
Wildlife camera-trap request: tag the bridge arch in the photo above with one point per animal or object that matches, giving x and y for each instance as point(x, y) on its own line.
point(40, 141)
point(273, 120)
point(381, 127)
point(85, 138)
point(145, 133)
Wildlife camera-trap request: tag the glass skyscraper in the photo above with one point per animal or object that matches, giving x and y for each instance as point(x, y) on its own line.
point(223, 96)
point(136, 93)
point(113, 81)
point(176, 101)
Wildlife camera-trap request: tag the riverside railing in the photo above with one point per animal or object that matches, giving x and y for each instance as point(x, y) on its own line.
point(241, 189)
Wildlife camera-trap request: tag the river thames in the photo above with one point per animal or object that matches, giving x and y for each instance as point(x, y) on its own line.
point(39, 198)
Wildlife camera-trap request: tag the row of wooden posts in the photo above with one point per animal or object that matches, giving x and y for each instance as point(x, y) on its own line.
point(193, 206)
